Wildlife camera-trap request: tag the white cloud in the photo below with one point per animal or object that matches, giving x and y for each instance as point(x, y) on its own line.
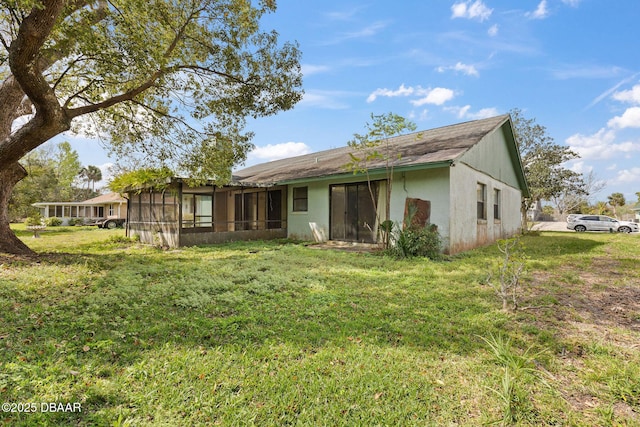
point(329, 100)
point(572, 3)
point(465, 112)
point(469, 70)
point(628, 176)
point(308, 69)
point(601, 145)
point(631, 96)
point(107, 174)
point(541, 12)
point(401, 91)
point(476, 10)
point(435, 96)
point(493, 31)
point(581, 168)
point(279, 151)
point(629, 119)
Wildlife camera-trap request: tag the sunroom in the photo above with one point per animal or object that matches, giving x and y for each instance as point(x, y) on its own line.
point(179, 215)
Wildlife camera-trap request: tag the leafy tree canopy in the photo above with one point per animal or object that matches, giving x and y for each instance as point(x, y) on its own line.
point(543, 161)
point(167, 82)
point(141, 178)
point(52, 172)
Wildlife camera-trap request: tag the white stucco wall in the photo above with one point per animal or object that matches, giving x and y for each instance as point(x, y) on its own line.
point(298, 223)
point(451, 191)
point(427, 184)
point(430, 184)
point(466, 230)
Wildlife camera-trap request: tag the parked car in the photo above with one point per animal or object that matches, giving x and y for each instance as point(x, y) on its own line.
point(628, 227)
point(581, 223)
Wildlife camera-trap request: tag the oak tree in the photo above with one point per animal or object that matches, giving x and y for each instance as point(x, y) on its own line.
point(167, 81)
point(543, 162)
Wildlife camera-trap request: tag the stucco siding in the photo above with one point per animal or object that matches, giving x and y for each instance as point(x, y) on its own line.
point(317, 214)
point(492, 156)
point(426, 184)
point(466, 230)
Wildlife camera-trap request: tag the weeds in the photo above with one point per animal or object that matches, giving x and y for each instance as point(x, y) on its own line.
point(508, 272)
point(279, 333)
point(519, 371)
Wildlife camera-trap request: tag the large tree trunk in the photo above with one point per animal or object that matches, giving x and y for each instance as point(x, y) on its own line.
point(9, 243)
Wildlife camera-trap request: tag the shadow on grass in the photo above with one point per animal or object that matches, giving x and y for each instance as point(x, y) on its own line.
point(128, 303)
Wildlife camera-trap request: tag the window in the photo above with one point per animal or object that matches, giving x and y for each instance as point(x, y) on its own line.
point(197, 210)
point(496, 204)
point(204, 211)
point(482, 201)
point(300, 199)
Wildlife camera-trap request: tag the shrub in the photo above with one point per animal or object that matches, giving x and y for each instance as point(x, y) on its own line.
point(53, 222)
point(35, 219)
point(417, 241)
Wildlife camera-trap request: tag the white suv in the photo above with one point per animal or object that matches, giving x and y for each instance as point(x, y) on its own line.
point(582, 223)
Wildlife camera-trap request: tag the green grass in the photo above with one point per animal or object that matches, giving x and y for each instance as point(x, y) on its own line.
point(280, 333)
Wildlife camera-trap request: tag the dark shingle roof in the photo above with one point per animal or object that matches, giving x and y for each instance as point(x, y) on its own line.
point(438, 145)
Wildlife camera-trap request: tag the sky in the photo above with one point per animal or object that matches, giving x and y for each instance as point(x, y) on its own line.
point(572, 65)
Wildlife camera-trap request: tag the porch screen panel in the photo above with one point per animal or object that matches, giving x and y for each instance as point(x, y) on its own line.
point(221, 213)
point(188, 213)
point(134, 208)
point(170, 208)
point(274, 209)
point(145, 212)
point(157, 207)
point(250, 211)
point(203, 210)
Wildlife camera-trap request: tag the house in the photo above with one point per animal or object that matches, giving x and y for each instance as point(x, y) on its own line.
point(467, 179)
point(636, 210)
point(107, 209)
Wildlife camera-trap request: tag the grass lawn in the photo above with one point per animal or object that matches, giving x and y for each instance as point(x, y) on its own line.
point(281, 333)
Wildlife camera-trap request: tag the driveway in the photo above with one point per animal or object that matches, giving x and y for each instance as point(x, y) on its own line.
point(551, 226)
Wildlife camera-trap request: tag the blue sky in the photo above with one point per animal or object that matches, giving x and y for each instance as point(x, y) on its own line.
point(570, 64)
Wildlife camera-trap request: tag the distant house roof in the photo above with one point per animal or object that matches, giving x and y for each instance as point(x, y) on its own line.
point(104, 199)
point(435, 147)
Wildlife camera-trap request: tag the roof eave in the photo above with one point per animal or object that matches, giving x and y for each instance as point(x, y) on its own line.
point(373, 173)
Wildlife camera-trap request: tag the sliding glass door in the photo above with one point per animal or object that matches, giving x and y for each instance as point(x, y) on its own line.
point(353, 214)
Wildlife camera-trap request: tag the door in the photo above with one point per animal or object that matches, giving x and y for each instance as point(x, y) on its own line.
point(353, 214)
point(274, 209)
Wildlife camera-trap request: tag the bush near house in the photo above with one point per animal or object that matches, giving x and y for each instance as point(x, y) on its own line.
point(276, 333)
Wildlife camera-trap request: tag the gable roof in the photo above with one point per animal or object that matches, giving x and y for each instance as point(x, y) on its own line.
point(430, 148)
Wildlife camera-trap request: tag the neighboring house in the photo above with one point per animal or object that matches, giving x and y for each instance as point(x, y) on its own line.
point(106, 209)
point(467, 179)
point(636, 210)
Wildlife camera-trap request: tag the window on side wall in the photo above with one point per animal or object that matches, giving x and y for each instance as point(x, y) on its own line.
point(482, 201)
point(300, 199)
point(496, 204)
